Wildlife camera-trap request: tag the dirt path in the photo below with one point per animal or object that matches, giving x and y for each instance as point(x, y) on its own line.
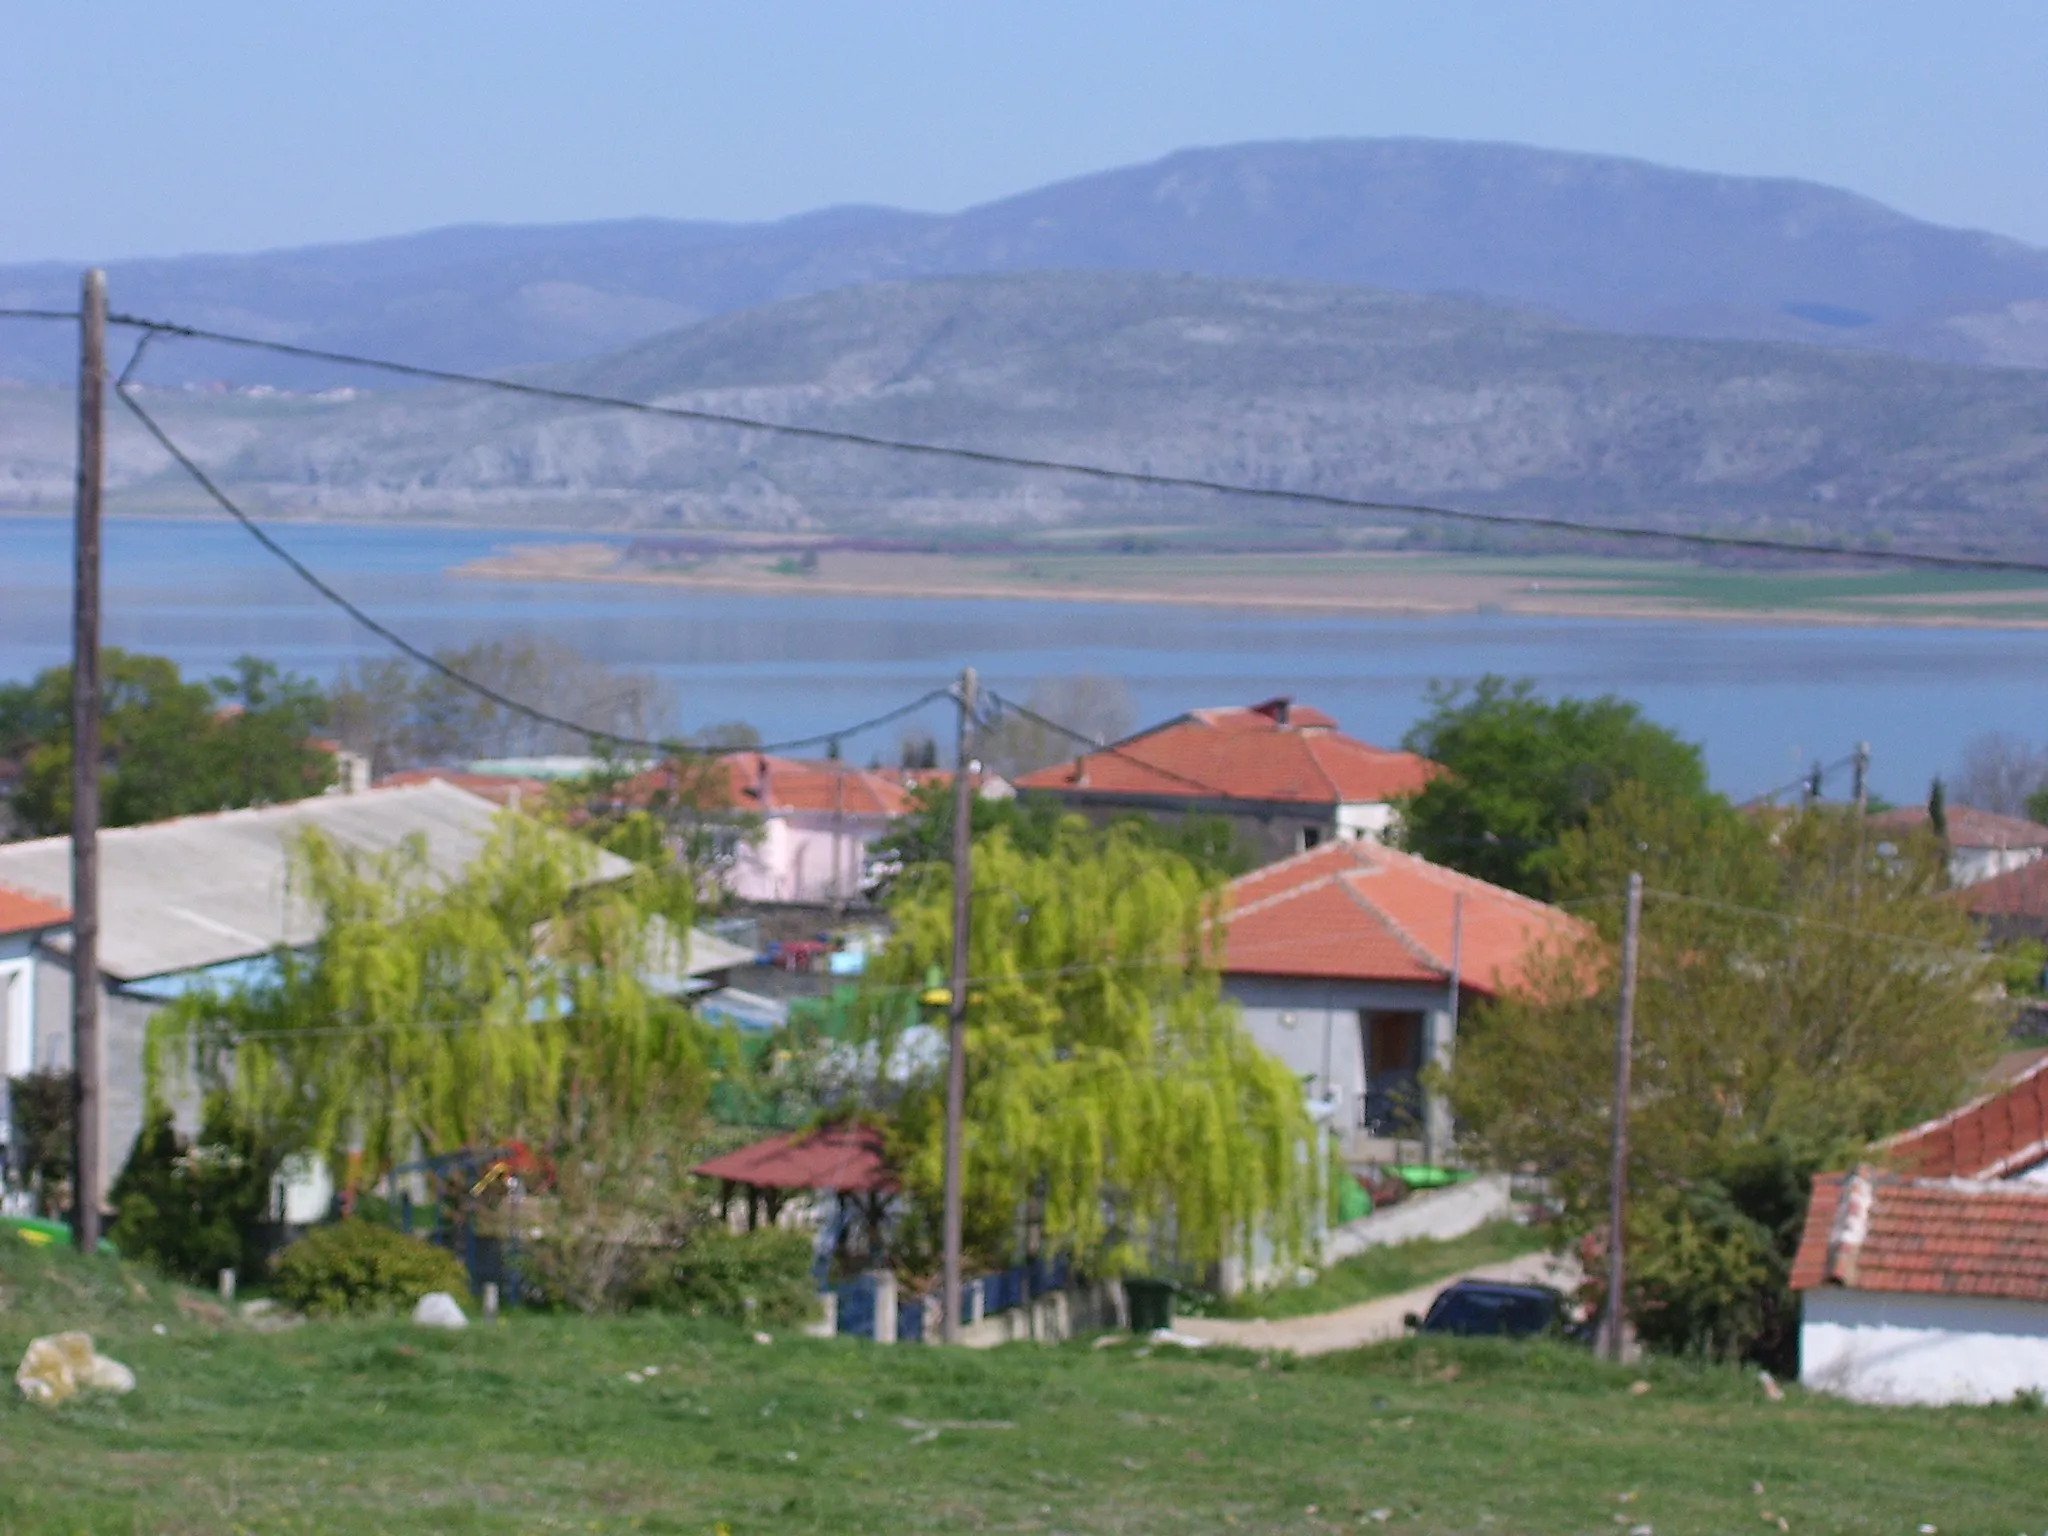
point(1370, 1322)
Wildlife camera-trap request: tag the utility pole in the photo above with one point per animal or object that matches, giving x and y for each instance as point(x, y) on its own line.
point(1617, 1176)
point(1862, 777)
point(956, 1020)
point(87, 1106)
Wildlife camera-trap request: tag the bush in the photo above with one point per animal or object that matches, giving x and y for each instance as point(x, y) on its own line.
point(358, 1266)
point(761, 1277)
point(194, 1209)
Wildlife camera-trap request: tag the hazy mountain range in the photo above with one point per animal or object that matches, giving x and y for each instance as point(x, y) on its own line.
point(1498, 326)
point(1310, 386)
point(1616, 244)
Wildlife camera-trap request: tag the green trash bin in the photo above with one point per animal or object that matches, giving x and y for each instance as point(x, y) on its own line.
point(1151, 1303)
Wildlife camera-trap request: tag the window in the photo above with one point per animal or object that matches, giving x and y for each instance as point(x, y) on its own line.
point(1310, 838)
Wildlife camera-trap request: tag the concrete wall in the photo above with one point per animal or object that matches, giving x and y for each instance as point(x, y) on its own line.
point(1878, 1348)
point(1313, 1027)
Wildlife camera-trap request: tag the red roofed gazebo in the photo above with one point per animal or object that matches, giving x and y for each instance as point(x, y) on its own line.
point(848, 1159)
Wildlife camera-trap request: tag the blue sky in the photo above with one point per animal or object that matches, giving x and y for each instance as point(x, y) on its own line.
point(144, 128)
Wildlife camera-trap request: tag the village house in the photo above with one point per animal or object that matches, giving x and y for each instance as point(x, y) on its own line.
point(1981, 844)
point(25, 922)
point(799, 833)
point(208, 899)
point(1924, 1278)
point(1281, 773)
point(1351, 962)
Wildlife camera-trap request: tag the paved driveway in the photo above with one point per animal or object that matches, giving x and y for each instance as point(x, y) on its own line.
point(1371, 1322)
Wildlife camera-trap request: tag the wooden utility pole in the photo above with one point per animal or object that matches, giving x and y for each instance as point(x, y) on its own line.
point(1862, 778)
point(1611, 1322)
point(87, 1104)
point(956, 1011)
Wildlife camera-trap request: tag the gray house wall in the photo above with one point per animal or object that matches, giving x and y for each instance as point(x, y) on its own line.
point(1315, 1028)
point(124, 1025)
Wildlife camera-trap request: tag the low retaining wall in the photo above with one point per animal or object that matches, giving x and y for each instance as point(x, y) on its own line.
point(1439, 1213)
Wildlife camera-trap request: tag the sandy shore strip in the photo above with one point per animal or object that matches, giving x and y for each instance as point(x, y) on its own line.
point(1388, 591)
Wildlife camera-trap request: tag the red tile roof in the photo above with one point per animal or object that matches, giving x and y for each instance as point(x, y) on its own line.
point(496, 788)
point(1276, 752)
point(845, 1157)
point(1968, 827)
point(1874, 1231)
point(2018, 893)
point(763, 784)
point(1358, 911)
point(2003, 1133)
point(23, 913)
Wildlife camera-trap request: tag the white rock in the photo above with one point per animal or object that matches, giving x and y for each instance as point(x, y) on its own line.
point(61, 1365)
point(437, 1309)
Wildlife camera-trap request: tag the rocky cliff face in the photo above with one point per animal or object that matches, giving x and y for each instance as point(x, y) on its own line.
point(1269, 383)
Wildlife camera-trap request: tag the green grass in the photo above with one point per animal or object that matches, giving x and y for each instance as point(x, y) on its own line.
point(1385, 1272)
point(532, 1426)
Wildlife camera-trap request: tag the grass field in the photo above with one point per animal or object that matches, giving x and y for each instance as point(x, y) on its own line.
point(1386, 1272)
point(532, 1425)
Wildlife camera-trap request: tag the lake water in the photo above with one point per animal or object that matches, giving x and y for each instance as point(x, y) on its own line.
point(1765, 699)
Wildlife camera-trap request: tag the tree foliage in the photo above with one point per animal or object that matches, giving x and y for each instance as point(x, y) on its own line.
point(194, 1208)
point(172, 747)
point(1800, 993)
point(1524, 771)
point(511, 1003)
point(1109, 1080)
point(403, 715)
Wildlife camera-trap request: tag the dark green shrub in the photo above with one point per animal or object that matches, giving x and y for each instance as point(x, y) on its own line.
point(194, 1209)
point(718, 1273)
point(358, 1266)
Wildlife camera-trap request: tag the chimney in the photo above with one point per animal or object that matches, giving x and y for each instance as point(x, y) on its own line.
point(1276, 710)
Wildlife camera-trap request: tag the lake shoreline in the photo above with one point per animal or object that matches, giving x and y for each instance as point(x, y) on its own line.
point(561, 565)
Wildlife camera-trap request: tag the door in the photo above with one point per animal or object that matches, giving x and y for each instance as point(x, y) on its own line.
point(1393, 1063)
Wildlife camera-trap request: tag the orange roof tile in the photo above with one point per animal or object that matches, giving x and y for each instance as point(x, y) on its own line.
point(2017, 893)
point(1968, 827)
point(1874, 1231)
point(1358, 911)
point(23, 913)
point(1993, 1137)
point(763, 784)
point(1275, 752)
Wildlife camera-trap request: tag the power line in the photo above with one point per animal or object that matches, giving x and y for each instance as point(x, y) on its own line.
point(1156, 481)
point(39, 314)
point(1095, 744)
point(434, 663)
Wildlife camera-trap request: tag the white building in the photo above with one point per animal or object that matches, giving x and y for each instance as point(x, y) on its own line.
point(1981, 844)
point(1924, 1290)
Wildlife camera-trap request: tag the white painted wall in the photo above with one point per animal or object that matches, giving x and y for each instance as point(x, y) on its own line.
point(810, 859)
point(1968, 866)
point(1367, 820)
point(1880, 1348)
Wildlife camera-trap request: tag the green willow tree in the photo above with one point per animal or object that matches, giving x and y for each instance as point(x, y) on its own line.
point(1109, 1081)
point(1803, 989)
point(512, 1003)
